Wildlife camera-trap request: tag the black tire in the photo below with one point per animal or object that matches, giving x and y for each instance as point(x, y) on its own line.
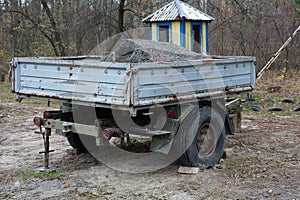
point(204, 139)
point(256, 108)
point(75, 141)
point(275, 109)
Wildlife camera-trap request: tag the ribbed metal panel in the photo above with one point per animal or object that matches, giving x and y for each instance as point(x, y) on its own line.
point(177, 10)
point(126, 85)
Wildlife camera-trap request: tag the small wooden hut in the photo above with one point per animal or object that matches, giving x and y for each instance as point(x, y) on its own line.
point(181, 24)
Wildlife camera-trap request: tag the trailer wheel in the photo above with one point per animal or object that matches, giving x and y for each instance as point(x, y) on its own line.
point(208, 143)
point(75, 141)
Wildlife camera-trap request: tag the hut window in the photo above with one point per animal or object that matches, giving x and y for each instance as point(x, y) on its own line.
point(164, 34)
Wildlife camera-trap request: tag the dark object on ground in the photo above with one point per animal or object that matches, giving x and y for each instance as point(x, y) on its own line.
point(2, 116)
point(289, 100)
point(296, 109)
point(256, 108)
point(250, 99)
point(275, 109)
point(270, 100)
point(274, 89)
point(3, 140)
point(75, 142)
point(145, 51)
point(81, 142)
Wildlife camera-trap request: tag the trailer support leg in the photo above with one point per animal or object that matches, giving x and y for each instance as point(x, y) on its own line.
point(47, 146)
point(46, 137)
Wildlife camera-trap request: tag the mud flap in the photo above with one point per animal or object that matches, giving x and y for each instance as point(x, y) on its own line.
point(163, 143)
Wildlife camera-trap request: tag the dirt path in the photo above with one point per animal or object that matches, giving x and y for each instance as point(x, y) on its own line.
point(262, 162)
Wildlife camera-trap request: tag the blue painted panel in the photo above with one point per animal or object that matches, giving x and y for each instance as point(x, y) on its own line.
point(182, 34)
point(160, 82)
point(84, 88)
point(150, 31)
point(207, 38)
point(104, 75)
point(111, 83)
point(86, 81)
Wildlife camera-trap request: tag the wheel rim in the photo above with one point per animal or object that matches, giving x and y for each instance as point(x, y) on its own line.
point(206, 139)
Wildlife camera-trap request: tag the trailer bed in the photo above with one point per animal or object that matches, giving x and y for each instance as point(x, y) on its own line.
point(129, 86)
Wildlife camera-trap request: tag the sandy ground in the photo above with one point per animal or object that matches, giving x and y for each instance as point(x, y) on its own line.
point(262, 161)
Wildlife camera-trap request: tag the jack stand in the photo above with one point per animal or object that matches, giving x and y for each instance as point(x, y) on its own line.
point(46, 138)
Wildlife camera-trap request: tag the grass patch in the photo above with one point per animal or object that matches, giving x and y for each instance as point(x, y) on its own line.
point(6, 96)
point(5, 93)
point(35, 102)
point(246, 110)
point(41, 175)
point(267, 136)
point(287, 111)
point(5, 109)
point(235, 162)
point(244, 168)
point(266, 105)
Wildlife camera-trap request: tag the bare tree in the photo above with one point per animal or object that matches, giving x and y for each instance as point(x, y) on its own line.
point(75, 27)
point(56, 39)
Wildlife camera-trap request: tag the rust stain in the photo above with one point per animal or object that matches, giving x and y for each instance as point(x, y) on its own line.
point(53, 124)
point(207, 62)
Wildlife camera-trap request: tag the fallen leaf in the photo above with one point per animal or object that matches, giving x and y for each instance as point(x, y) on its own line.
point(96, 194)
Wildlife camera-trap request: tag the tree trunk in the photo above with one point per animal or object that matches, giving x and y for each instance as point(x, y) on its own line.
point(121, 16)
point(58, 41)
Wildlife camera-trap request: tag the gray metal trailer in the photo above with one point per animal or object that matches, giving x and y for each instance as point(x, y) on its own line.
point(180, 105)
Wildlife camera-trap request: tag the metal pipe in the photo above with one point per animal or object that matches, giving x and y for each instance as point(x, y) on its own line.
point(277, 54)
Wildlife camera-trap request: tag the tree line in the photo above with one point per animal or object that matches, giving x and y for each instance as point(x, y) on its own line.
point(73, 27)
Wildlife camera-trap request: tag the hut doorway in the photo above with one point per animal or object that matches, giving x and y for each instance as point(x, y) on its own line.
point(196, 41)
